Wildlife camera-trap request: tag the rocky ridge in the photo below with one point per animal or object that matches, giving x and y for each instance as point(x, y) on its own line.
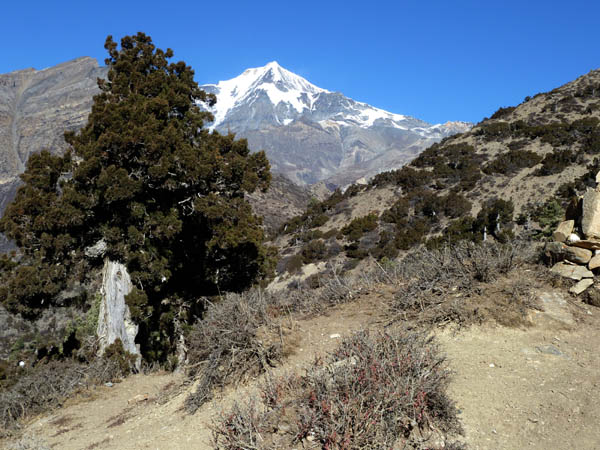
point(36, 108)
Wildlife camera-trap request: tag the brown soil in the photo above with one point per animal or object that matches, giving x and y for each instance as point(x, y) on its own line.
point(536, 387)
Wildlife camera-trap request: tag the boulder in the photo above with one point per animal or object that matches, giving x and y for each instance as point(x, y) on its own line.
point(572, 272)
point(563, 230)
point(590, 222)
point(594, 262)
point(581, 286)
point(114, 319)
point(559, 251)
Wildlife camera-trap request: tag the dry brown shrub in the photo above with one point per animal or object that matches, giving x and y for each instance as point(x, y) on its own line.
point(465, 283)
point(241, 335)
point(374, 391)
point(46, 386)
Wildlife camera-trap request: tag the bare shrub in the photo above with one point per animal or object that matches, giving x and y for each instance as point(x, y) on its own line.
point(437, 283)
point(225, 346)
point(46, 386)
point(29, 442)
point(374, 391)
point(241, 334)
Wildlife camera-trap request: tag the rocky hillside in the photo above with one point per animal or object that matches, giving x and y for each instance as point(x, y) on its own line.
point(36, 108)
point(513, 173)
point(311, 134)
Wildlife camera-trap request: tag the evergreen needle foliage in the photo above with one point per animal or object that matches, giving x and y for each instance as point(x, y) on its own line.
point(164, 193)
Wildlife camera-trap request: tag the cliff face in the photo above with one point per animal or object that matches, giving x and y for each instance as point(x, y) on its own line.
point(36, 108)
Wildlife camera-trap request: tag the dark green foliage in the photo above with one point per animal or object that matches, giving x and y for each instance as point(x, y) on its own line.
point(548, 215)
point(556, 161)
point(503, 112)
point(353, 190)
point(123, 360)
point(458, 230)
point(495, 215)
point(397, 212)
point(578, 186)
point(386, 246)
point(512, 161)
point(315, 215)
point(454, 163)
point(494, 130)
point(355, 229)
point(455, 205)
point(313, 251)
point(406, 177)
point(309, 235)
point(166, 195)
point(410, 233)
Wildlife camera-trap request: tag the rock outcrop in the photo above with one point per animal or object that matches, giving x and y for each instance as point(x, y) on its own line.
point(576, 249)
point(114, 320)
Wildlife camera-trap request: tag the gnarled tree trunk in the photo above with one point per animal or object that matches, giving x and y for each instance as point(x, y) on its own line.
point(114, 320)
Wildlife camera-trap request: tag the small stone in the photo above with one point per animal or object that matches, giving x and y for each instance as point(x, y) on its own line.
point(563, 231)
point(549, 350)
point(335, 336)
point(492, 365)
point(573, 237)
point(109, 384)
point(572, 272)
point(581, 286)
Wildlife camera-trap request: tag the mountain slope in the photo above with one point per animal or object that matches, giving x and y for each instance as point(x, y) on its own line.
point(36, 108)
point(514, 173)
point(311, 134)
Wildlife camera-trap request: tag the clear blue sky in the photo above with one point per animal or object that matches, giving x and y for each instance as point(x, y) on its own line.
point(435, 60)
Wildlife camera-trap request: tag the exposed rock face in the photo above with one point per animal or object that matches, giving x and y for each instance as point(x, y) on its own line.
point(280, 203)
point(114, 320)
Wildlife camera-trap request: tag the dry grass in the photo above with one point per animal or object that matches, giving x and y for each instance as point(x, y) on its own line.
point(29, 442)
point(47, 386)
point(374, 391)
point(464, 284)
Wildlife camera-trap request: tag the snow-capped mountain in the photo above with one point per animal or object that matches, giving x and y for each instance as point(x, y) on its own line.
point(311, 134)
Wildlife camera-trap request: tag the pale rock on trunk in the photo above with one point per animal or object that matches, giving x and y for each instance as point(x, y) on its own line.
point(114, 320)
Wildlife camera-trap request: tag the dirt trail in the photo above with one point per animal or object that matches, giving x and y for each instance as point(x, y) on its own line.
point(537, 388)
point(516, 388)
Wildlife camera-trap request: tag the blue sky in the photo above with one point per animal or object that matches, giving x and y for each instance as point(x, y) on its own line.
point(435, 60)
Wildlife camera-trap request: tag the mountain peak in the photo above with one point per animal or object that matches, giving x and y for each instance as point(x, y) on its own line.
point(279, 85)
